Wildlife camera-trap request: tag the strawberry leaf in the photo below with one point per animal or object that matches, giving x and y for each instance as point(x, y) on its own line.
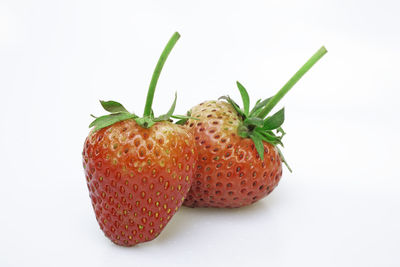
point(183, 119)
point(245, 98)
point(283, 159)
point(270, 137)
point(257, 122)
point(258, 107)
point(166, 117)
point(107, 120)
point(172, 108)
point(257, 139)
point(234, 105)
point(113, 107)
point(145, 122)
point(275, 121)
point(281, 131)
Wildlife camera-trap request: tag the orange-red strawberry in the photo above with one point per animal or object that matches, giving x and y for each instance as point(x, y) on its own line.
point(138, 170)
point(238, 160)
point(229, 172)
point(137, 177)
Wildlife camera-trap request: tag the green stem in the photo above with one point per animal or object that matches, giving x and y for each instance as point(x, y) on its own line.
point(157, 71)
point(296, 77)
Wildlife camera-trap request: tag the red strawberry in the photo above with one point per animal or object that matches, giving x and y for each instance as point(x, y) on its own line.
point(138, 170)
point(238, 159)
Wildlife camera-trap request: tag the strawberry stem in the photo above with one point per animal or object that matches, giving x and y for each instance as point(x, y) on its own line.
point(157, 71)
point(296, 77)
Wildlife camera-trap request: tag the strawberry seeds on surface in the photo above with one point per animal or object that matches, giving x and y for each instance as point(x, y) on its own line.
point(229, 172)
point(137, 177)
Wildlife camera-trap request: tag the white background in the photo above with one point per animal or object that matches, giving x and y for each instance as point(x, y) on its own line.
point(341, 205)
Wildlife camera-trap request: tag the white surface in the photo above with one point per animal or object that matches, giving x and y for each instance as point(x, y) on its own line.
point(340, 207)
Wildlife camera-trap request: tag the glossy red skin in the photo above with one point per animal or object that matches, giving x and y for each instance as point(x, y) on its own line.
point(229, 172)
point(137, 178)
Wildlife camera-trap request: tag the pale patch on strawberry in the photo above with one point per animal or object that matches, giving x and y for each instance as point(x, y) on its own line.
point(229, 172)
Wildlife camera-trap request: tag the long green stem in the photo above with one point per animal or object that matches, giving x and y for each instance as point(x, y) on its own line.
point(296, 77)
point(157, 71)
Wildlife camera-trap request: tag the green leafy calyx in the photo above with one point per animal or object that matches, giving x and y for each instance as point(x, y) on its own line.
point(119, 113)
point(257, 123)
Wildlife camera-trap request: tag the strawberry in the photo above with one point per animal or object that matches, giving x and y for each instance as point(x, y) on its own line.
point(238, 160)
point(138, 170)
